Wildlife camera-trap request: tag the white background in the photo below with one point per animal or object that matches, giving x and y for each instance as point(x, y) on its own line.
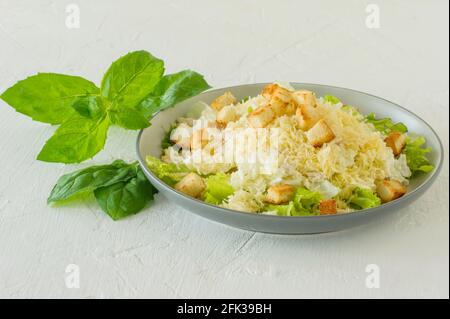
point(166, 251)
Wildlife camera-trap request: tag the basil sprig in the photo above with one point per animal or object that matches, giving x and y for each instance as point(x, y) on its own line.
point(121, 189)
point(131, 91)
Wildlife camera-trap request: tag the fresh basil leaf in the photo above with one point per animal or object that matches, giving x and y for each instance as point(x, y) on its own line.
point(91, 107)
point(172, 89)
point(48, 97)
point(125, 198)
point(126, 83)
point(128, 118)
point(90, 178)
point(76, 140)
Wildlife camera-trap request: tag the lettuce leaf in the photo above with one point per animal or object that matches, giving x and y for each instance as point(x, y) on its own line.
point(218, 188)
point(166, 142)
point(168, 172)
point(363, 198)
point(281, 210)
point(331, 99)
point(416, 155)
point(385, 126)
point(305, 203)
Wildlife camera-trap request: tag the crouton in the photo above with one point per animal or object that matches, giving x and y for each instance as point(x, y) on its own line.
point(320, 134)
point(269, 89)
point(261, 117)
point(396, 141)
point(307, 116)
point(181, 136)
point(280, 99)
point(327, 207)
point(279, 194)
point(225, 99)
point(304, 97)
point(226, 114)
point(192, 185)
point(390, 189)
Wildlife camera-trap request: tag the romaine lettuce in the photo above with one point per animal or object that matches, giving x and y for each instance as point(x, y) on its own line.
point(331, 99)
point(168, 172)
point(416, 155)
point(218, 188)
point(363, 198)
point(386, 125)
point(305, 203)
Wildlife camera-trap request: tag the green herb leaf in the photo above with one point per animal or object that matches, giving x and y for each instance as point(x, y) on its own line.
point(76, 140)
point(126, 198)
point(385, 126)
point(126, 83)
point(416, 156)
point(48, 97)
point(91, 107)
point(90, 178)
point(172, 89)
point(362, 198)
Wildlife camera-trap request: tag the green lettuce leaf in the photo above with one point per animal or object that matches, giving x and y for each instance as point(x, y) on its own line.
point(125, 198)
point(48, 97)
point(362, 198)
point(166, 142)
point(416, 156)
point(168, 172)
point(331, 99)
point(385, 126)
point(305, 203)
point(76, 140)
point(282, 210)
point(218, 188)
point(172, 89)
point(126, 83)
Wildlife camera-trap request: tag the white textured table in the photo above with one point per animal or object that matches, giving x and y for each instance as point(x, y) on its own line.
point(167, 252)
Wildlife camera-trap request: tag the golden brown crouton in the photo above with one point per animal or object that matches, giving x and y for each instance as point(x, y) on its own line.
point(307, 116)
point(280, 99)
point(227, 114)
point(261, 117)
point(390, 189)
point(304, 97)
point(320, 134)
point(327, 207)
point(396, 141)
point(225, 99)
point(192, 185)
point(269, 89)
point(279, 194)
